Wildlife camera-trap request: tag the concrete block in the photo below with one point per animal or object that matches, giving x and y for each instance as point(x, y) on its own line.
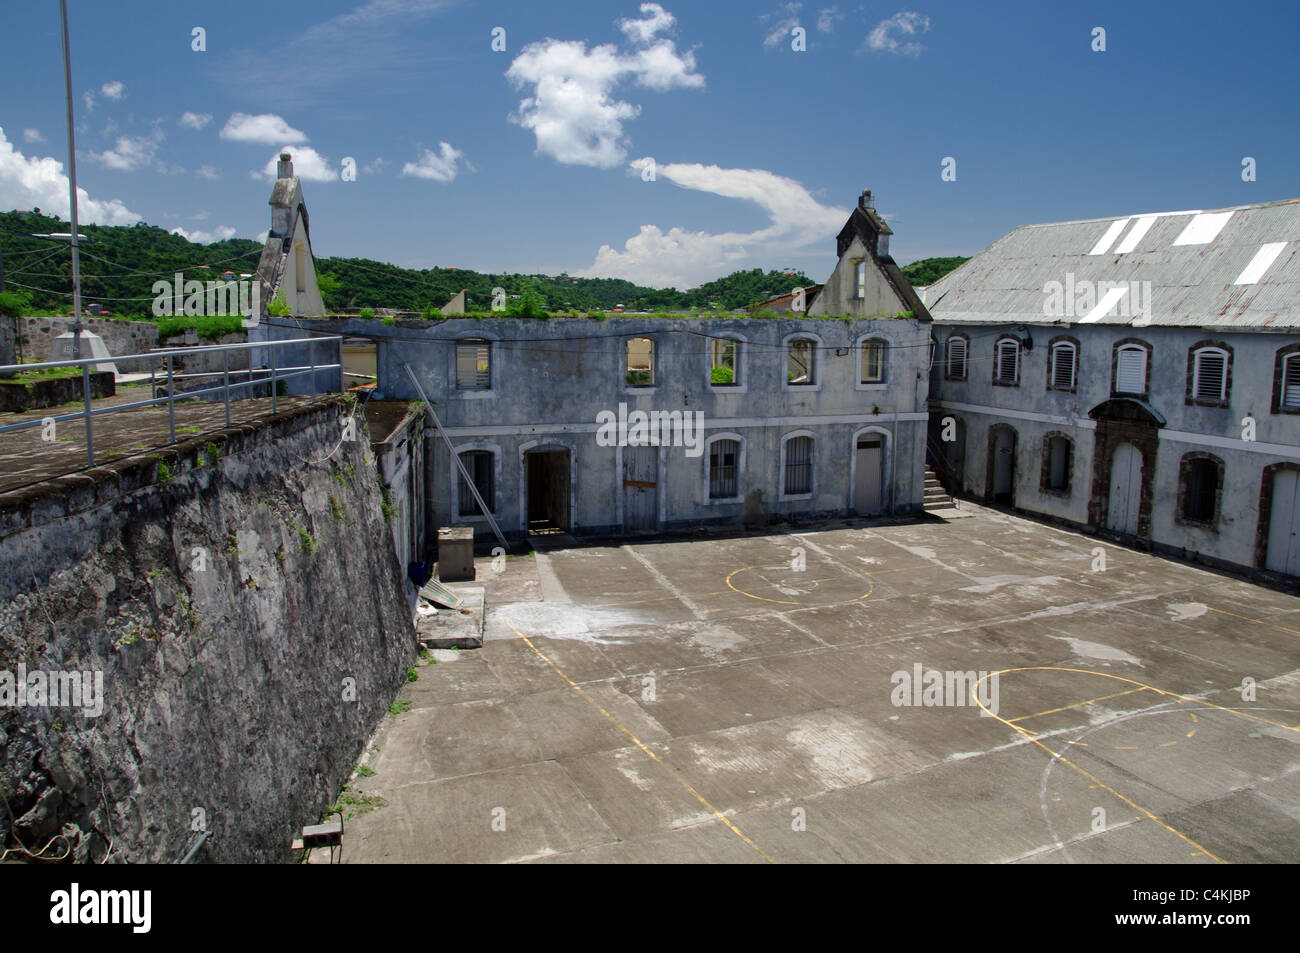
point(455, 553)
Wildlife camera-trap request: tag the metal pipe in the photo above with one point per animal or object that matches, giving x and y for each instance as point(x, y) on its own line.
point(72, 184)
point(171, 400)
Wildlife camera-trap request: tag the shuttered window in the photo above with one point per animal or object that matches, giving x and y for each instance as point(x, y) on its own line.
point(473, 365)
point(798, 465)
point(1291, 382)
point(1131, 370)
point(1210, 375)
point(1063, 356)
point(723, 469)
point(956, 358)
point(1006, 363)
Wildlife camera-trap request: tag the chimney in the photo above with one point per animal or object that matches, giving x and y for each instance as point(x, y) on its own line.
point(864, 200)
point(285, 168)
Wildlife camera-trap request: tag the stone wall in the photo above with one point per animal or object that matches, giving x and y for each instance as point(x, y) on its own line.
point(248, 618)
point(120, 337)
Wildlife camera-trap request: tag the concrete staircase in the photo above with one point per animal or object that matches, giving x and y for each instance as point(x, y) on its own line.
point(936, 498)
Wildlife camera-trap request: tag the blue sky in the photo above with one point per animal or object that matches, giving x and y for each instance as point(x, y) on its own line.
point(532, 159)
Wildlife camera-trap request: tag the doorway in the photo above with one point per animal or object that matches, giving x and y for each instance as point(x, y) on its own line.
point(1125, 502)
point(1283, 552)
point(547, 491)
point(640, 489)
point(1002, 465)
point(868, 475)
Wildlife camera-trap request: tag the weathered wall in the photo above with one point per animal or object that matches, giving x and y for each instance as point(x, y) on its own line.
point(551, 378)
point(1034, 412)
point(231, 608)
point(120, 337)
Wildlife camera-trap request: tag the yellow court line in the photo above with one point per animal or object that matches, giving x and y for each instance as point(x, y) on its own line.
point(1064, 760)
point(1100, 698)
point(1246, 618)
point(637, 741)
point(786, 602)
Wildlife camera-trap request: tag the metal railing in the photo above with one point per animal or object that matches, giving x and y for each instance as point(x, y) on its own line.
point(256, 375)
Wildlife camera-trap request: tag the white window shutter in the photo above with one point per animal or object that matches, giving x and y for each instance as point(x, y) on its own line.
point(1291, 381)
point(1211, 368)
point(957, 357)
point(1131, 372)
point(1063, 366)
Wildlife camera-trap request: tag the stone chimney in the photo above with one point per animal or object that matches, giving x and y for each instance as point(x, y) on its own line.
point(864, 200)
point(285, 169)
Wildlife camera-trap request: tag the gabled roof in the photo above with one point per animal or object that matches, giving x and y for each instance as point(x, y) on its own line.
point(1225, 268)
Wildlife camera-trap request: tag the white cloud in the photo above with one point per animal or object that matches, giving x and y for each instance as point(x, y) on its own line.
point(438, 166)
point(657, 20)
point(88, 97)
point(266, 128)
point(207, 172)
point(30, 182)
point(32, 135)
point(199, 237)
point(889, 34)
point(682, 258)
point(377, 165)
point(785, 19)
point(827, 17)
point(198, 120)
point(572, 111)
point(130, 152)
point(308, 165)
point(113, 90)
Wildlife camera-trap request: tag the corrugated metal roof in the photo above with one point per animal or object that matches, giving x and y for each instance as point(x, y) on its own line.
point(1046, 273)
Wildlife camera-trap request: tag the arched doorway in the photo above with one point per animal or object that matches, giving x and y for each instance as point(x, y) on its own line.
point(1000, 486)
point(1125, 498)
point(870, 472)
point(1280, 519)
point(1123, 465)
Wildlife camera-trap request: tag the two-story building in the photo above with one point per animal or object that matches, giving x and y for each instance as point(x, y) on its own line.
point(1137, 376)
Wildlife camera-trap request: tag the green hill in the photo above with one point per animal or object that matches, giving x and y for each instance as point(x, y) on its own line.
point(119, 265)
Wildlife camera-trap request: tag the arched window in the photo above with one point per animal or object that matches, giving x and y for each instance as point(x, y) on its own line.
point(1062, 365)
point(1286, 380)
point(1006, 362)
point(955, 357)
point(724, 468)
point(1058, 463)
point(797, 465)
point(1200, 484)
point(1131, 368)
point(1208, 370)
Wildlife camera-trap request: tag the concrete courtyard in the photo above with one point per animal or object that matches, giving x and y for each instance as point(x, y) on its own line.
point(748, 699)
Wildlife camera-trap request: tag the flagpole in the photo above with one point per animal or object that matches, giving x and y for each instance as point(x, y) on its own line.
point(72, 187)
